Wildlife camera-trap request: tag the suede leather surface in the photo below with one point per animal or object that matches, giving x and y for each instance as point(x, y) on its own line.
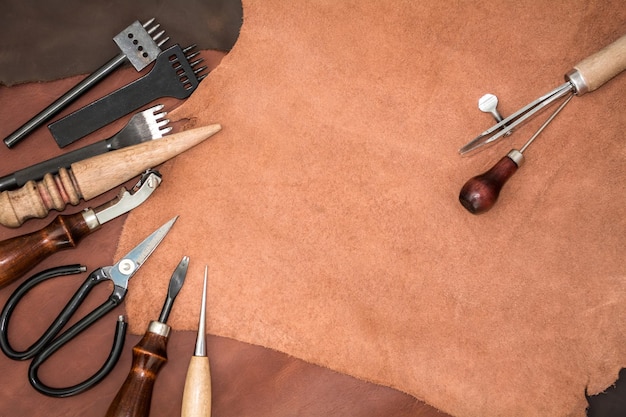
point(327, 206)
point(247, 380)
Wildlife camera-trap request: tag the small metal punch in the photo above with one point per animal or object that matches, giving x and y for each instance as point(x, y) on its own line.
point(138, 45)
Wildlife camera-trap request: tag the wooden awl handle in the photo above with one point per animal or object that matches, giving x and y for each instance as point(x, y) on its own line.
point(594, 71)
point(149, 355)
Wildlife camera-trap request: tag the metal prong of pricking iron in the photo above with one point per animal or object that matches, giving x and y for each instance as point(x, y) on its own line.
point(126, 39)
point(171, 76)
point(144, 126)
point(516, 119)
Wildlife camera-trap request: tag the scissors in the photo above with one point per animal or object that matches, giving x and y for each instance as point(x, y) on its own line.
point(51, 340)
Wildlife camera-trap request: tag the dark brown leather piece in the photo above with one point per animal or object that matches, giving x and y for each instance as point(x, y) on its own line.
point(49, 40)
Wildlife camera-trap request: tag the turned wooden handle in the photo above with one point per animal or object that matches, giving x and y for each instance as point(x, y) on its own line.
point(20, 254)
point(93, 176)
point(99, 174)
point(36, 199)
point(197, 392)
point(149, 355)
point(595, 70)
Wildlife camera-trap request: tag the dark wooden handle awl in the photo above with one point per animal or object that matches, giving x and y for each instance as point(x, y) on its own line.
point(149, 355)
point(20, 254)
point(481, 192)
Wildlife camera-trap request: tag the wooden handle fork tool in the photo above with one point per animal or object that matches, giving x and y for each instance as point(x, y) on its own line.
point(93, 176)
point(149, 355)
point(480, 193)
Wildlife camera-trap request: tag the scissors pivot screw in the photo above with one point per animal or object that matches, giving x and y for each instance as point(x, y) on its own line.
point(126, 266)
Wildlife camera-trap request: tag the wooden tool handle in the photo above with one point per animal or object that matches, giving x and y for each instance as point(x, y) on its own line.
point(197, 392)
point(149, 355)
point(93, 176)
point(20, 254)
point(36, 199)
point(595, 70)
point(481, 192)
point(101, 173)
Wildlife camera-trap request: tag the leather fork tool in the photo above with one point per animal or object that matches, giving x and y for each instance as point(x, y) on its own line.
point(173, 75)
point(137, 45)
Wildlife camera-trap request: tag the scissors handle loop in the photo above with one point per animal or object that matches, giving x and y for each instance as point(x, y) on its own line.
point(107, 367)
point(51, 340)
point(15, 298)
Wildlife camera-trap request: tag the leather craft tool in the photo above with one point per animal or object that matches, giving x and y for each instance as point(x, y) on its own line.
point(144, 126)
point(20, 254)
point(149, 355)
point(94, 176)
point(137, 45)
point(588, 75)
point(197, 392)
point(173, 75)
point(480, 193)
point(52, 339)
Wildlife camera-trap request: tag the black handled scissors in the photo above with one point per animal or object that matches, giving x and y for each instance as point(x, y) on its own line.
point(51, 340)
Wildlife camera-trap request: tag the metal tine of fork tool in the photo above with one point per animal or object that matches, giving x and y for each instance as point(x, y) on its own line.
point(172, 75)
point(137, 46)
point(147, 125)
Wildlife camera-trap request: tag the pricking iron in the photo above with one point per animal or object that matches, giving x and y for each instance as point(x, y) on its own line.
point(137, 45)
point(173, 75)
point(589, 75)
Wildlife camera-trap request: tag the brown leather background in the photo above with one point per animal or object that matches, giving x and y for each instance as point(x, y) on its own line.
point(249, 380)
point(327, 207)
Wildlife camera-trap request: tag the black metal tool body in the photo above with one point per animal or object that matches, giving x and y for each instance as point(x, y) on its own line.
point(171, 76)
point(53, 339)
point(137, 45)
point(146, 125)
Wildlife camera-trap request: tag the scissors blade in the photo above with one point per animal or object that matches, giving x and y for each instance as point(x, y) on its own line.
point(126, 267)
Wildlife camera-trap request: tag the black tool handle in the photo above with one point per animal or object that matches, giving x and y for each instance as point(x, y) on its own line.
point(107, 367)
point(11, 303)
point(64, 316)
point(36, 172)
point(63, 101)
point(161, 81)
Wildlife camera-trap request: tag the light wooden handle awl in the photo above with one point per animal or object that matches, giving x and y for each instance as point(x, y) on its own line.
point(93, 176)
point(197, 391)
point(594, 71)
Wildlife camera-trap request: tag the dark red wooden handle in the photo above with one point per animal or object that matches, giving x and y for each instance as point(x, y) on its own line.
point(20, 254)
point(481, 192)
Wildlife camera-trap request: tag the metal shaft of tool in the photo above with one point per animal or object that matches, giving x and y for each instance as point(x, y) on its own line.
point(546, 123)
point(176, 283)
point(201, 339)
point(63, 101)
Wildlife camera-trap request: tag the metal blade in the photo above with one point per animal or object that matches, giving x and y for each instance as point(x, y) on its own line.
point(176, 283)
point(517, 118)
point(126, 267)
